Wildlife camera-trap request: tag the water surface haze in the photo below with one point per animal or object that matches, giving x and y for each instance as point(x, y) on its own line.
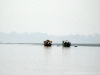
point(17, 59)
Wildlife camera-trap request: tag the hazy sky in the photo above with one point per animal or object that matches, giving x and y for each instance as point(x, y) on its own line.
point(56, 17)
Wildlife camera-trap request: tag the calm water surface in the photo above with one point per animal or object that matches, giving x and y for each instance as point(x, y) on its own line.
point(55, 60)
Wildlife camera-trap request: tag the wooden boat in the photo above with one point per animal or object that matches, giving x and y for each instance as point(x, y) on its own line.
point(47, 43)
point(66, 43)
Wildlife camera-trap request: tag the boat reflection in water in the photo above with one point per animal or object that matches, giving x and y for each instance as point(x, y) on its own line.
point(66, 43)
point(47, 43)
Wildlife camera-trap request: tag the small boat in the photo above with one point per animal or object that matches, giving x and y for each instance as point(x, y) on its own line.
point(75, 46)
point(47, 43)
point(66, 43)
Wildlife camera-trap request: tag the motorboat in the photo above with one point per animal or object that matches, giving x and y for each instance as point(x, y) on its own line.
point(66, 43)
point(47, 43)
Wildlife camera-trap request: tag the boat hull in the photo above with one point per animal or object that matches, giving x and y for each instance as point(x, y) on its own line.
point(66, 44)
point(47, 44)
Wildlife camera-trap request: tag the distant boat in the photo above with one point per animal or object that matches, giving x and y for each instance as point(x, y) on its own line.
point(47, 43)
point(66, 43)
point(75, 46)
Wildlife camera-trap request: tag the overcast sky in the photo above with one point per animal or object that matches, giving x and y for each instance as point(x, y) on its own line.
point(54, 17)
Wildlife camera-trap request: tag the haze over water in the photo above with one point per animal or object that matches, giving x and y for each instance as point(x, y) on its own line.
point(56, 60)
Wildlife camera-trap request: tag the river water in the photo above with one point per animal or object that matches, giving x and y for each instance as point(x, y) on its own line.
point(17, 59)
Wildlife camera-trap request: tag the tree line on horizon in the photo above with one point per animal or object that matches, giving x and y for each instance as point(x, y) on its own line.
point(38, 37)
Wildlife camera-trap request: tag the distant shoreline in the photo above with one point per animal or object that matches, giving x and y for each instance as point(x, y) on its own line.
point(77, 44)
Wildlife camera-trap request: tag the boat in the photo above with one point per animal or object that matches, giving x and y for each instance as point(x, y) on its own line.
point(47, 43)
point(66, 43)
